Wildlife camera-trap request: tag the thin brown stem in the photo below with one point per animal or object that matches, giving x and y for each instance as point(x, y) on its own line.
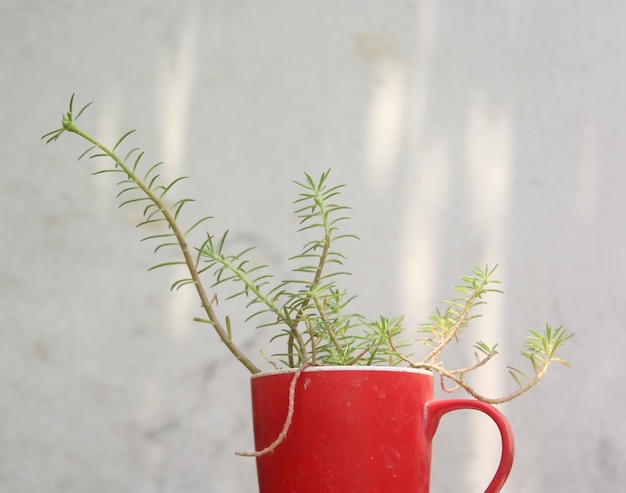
point(205, 300)
point(290, 410)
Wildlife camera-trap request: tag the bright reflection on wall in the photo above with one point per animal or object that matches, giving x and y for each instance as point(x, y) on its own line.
point(488, 159)
point(110, 123)
point(485, 172)
point(175, 75)
point(424, 210)
point(422, 220)
point(482, 168)
point(385, 123)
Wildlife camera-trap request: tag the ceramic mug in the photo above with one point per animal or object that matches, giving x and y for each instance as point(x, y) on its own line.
point(356, 430)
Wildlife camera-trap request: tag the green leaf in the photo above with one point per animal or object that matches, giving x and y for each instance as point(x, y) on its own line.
point(87, 152)
point(180, 283)
point(122, 138)
point(167, 189)
point(82, 110)
point(166, 264)
point(194, 225)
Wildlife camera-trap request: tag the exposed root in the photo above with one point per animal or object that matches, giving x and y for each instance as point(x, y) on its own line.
point(288, 419)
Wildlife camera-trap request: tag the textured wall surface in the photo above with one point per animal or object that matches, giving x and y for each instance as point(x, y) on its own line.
point(467, 132)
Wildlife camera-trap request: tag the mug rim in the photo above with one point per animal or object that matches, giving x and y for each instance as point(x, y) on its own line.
point(391, 369)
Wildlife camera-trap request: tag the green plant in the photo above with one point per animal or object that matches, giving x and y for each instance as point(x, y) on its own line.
point(309, 311)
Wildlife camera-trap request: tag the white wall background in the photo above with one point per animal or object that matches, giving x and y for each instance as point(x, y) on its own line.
point(468, 132)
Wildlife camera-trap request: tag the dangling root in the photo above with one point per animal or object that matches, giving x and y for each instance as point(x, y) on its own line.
point(287, 425)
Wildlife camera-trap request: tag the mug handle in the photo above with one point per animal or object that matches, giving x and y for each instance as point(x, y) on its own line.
point(436, 409)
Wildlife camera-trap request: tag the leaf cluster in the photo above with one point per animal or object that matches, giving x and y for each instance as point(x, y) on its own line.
point(309, 313)
point(447, 326)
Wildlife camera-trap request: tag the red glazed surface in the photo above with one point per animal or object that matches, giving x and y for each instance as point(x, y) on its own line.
point(356, 430)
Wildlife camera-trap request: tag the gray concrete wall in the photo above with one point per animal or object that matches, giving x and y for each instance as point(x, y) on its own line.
point(468, 133)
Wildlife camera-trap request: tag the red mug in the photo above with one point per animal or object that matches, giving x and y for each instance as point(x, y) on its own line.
point(355, 429)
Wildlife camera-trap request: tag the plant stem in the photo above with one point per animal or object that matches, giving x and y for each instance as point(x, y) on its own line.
point(180, 238)
point(316, 279)
point(434, 355)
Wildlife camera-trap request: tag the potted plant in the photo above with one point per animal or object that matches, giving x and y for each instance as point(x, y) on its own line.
point(346, 405)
